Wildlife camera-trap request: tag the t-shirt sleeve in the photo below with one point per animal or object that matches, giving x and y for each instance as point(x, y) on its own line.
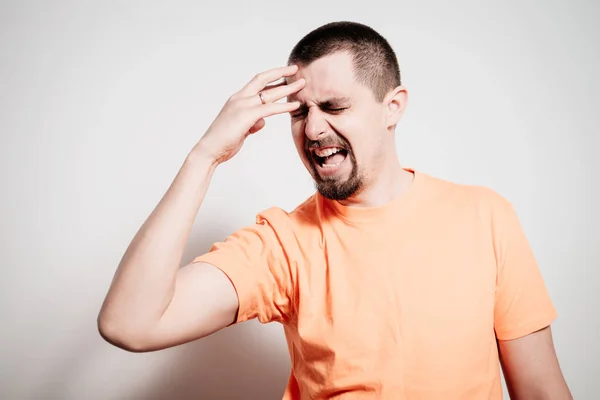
point(255, 259)
point(522, 304)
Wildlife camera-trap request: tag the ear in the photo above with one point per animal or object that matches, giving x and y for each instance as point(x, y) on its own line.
point(395, 101)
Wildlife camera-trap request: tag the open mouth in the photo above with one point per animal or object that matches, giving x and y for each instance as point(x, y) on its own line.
point(329, 157)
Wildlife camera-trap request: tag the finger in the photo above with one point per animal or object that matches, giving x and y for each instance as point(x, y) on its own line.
point(276, 93)
point(283, 83)
point(270, 109)
point(262, 79)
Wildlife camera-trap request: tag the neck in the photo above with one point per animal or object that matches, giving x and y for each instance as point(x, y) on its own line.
point(383, 185)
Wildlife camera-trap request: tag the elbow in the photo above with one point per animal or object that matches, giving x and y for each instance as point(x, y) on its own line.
point(121, 336)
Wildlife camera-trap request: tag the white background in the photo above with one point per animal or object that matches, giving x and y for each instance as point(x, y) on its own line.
point(101, 102)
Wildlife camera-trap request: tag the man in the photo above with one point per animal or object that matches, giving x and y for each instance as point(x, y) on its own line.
point(389, 283)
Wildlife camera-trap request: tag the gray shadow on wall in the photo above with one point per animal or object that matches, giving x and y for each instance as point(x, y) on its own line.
point(243, 361)
point(232, 364)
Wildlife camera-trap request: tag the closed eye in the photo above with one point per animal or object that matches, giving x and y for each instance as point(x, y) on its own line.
point(298, 114)
point(302, 112)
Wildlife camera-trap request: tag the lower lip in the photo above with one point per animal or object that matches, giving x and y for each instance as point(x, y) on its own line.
point(330, 170)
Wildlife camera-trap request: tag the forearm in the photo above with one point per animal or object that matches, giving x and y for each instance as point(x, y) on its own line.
point(144, 282)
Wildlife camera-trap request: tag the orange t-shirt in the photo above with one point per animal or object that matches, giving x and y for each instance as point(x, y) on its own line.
point(401, 301)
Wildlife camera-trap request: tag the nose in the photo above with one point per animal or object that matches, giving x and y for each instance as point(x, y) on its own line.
point(315, 124)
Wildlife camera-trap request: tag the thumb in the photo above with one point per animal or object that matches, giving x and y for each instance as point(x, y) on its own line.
point(257, 126)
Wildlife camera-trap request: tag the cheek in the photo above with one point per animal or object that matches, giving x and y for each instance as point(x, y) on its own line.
point(298, 136)
point(361, 136)
point(299, 140)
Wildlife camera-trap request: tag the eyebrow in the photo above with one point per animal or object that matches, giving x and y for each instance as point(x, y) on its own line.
point(328, 103)
point(335, 101)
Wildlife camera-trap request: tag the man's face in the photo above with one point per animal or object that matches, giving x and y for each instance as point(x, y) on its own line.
point(338, 128)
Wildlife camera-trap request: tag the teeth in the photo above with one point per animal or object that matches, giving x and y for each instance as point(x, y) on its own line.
point(327, 152)
point(325, 166)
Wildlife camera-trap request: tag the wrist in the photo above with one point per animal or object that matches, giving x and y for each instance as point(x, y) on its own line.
point(202, 155)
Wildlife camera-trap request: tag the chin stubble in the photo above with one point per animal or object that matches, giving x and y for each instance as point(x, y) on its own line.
point(335, 188)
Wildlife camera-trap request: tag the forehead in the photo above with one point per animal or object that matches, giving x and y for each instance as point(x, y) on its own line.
point(329, 76)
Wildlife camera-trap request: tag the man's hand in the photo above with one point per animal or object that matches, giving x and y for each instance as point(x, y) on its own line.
point(244, 113)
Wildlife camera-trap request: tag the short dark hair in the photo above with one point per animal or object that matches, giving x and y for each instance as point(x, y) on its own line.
point(375, 63)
